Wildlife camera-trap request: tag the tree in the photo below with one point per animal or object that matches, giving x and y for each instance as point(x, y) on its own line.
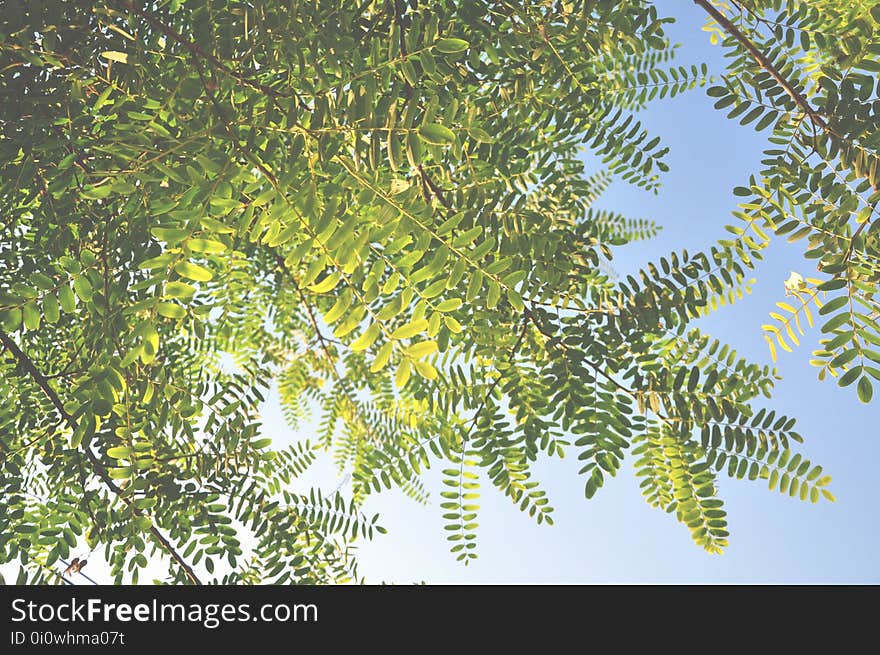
point(380, 207)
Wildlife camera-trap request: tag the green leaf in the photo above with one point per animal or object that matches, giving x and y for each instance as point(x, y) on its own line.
point(835, 322)
point(833, 305)
point(450, 46)
point(193, 271)
point(160, 261)
point(436, 134)
point(170, 310)
point(515, 300)
point(366, 339)
point(849, 377)
point(115, 55)
point(85, 428)
point(422, 349)
point(493, 294)
point(10, 319)
point(865, 390)
point(67, 299)
point(206, 245)
point(102, 407)
point(180, 290)
point(102, 99)
point(327, 284)
point(479, 134)
point(31, 315)
point(411, 329)
point(83, 288)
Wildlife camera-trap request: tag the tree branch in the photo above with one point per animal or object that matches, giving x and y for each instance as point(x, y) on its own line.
point(30, 368)
point(436, 190)
point(764, 63)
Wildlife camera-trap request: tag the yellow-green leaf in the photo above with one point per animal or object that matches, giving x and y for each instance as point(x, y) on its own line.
point(382, 357)
point(115, 55)
point(118, 452)
point(434, 289)
point(150, 344)
point(450, 46)
point(449, 305)
point(436, 134)
point(120, 473)
point(422, 349)
point(425, 370)
point(178, 289)
point(366, 339)
point(342, 303)
point(206, 245)
point(404, 370)
point(411, 329)
point(170, 310)
point(453, 325)
point(193, 271)
point(327, 284)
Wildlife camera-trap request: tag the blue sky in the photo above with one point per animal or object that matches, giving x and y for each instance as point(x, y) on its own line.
point(616, 537)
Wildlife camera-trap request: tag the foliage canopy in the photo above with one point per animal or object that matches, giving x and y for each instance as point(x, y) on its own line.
point(380, 207)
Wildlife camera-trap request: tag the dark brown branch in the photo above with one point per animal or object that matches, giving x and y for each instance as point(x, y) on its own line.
point(436, 190)
point(852, 241)
point(764, 63)
point(30, 368)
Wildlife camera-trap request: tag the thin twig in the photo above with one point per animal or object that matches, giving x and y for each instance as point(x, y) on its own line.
point(30, 368)
point(765, 63)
